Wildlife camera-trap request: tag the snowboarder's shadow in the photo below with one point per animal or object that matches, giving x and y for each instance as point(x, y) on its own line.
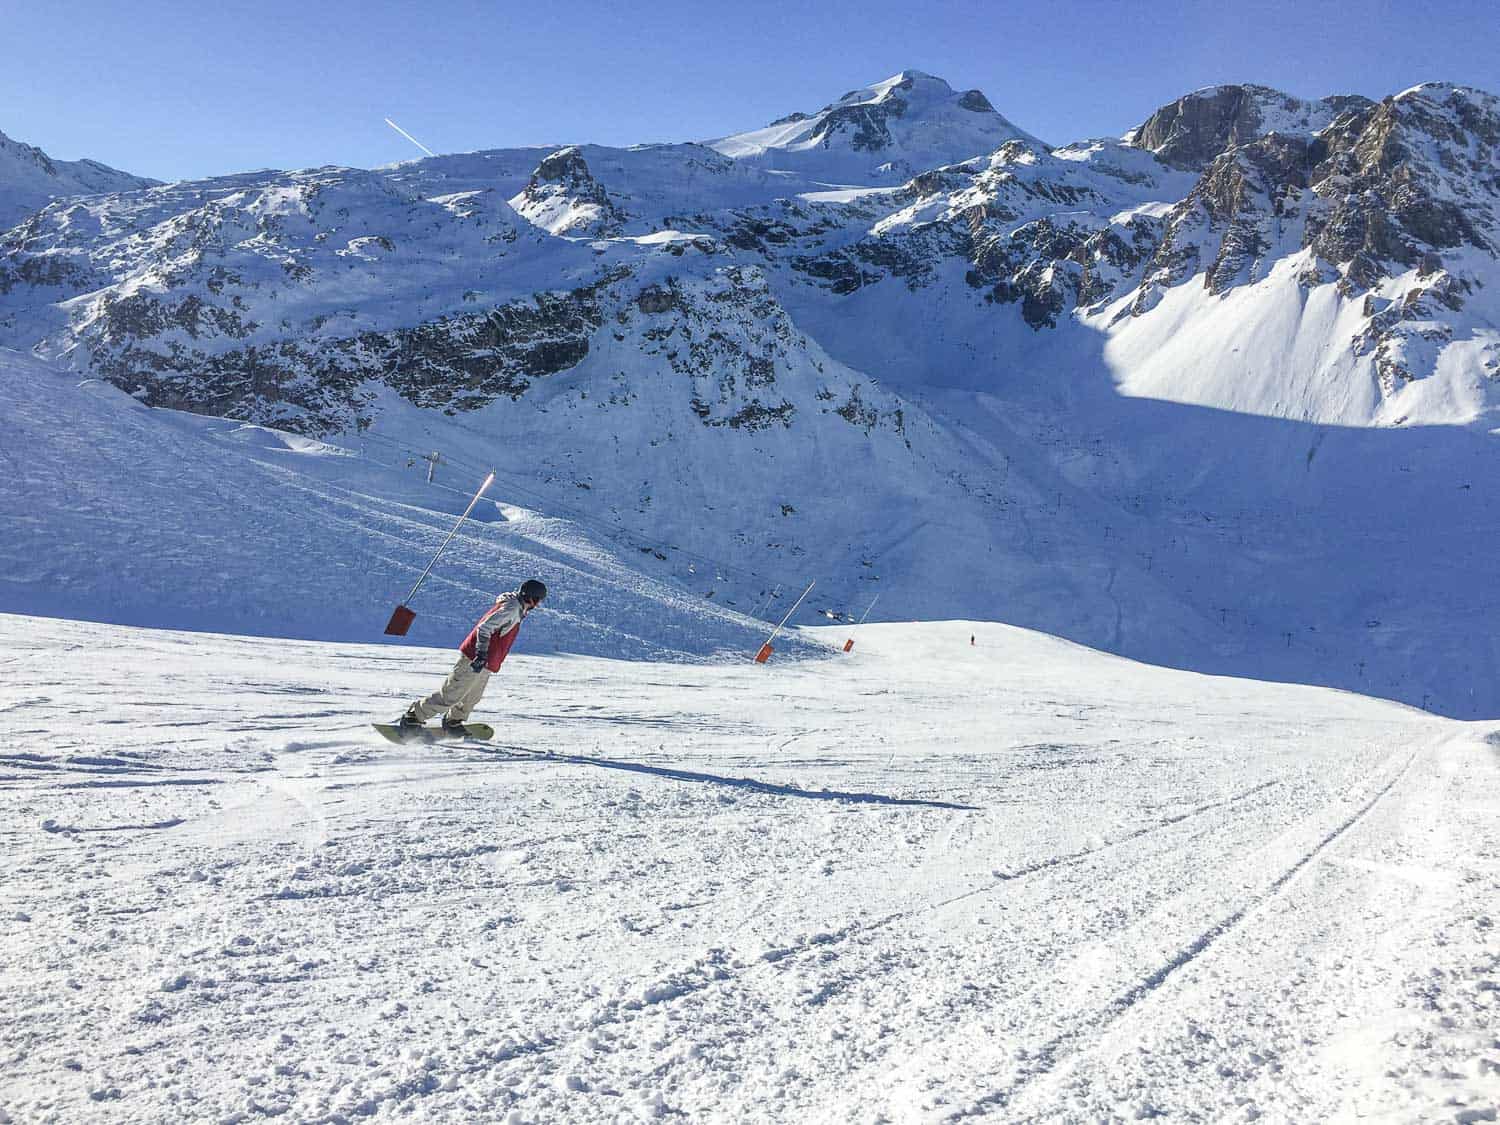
point(674, 774)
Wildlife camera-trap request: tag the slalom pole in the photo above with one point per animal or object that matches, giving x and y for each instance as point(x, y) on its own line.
point(849, 644)
point(403, 616)
point(765, 650)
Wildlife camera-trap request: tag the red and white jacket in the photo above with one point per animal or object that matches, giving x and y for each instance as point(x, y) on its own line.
point(496, 631)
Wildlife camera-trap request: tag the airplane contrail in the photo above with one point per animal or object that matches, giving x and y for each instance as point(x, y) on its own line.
point(409, 137)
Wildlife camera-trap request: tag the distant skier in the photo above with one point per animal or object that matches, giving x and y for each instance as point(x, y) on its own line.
point(484, 650)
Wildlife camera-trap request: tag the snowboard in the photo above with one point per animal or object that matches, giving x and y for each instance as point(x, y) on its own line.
point(430, 735)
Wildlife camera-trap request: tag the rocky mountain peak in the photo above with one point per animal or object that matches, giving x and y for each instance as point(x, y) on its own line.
point(1191, 132)
point(1409, 179)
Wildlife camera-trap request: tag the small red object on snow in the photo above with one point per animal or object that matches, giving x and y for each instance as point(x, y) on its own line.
point(849, 644)
point(400, 622)
point(764, 654)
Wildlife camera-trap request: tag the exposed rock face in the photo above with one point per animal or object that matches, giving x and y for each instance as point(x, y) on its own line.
point(732, 343)
point(453, 363)
point(1408, 178)
point(1240, 209)
point(564, 196)
point(1382, 185)
point(1196, 129)
point(1027, 225)
point(233, 296)
point(1193, 130)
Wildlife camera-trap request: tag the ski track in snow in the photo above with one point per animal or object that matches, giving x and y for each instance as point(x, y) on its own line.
point(1019, 881)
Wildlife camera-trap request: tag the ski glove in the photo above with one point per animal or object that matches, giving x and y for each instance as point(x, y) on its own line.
point(481, 658)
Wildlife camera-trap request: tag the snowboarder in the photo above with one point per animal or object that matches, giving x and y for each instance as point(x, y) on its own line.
point(483, 650)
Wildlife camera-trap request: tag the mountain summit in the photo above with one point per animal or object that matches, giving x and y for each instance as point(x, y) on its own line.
point(1192, 131)
point(884, 133)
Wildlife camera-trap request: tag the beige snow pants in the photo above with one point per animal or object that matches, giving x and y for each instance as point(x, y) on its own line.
point(458, 696)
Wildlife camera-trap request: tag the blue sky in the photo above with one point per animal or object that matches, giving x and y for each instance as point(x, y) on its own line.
point(189, 89)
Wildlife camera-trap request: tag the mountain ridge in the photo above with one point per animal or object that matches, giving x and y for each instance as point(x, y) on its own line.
point(29, 179)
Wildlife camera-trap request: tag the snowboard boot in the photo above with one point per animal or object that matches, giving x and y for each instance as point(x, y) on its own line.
point(453, 726)
point(409, 721)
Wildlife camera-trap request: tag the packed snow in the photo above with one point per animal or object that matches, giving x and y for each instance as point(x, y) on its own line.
point(963, 870)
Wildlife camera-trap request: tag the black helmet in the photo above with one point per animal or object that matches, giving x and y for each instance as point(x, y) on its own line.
point(532, 590)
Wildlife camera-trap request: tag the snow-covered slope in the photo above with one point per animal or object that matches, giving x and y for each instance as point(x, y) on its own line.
point(590, 189)
point(30, 179)
point(884, 133)
point(116, 512)
point(1188, 537)
point(912, 387)
point(1013, 880)
point(503, 171)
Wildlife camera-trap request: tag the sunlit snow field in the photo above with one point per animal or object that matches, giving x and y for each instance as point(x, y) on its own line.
point(1227, 415)
point(927, 879)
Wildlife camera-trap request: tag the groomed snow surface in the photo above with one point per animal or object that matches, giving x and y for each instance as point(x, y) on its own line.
point(930, 879)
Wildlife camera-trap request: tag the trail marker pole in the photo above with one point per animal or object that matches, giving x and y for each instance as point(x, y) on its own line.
point(765, 650)
point(403, 616)
point(849, 644)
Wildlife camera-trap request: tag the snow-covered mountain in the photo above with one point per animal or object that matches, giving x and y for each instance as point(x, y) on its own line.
point(29, 179)
point(1216, 394)
point(880, 134)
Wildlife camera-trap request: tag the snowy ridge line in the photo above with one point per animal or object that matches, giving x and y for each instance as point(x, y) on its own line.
point(718, 779)
point(1047, 1059)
